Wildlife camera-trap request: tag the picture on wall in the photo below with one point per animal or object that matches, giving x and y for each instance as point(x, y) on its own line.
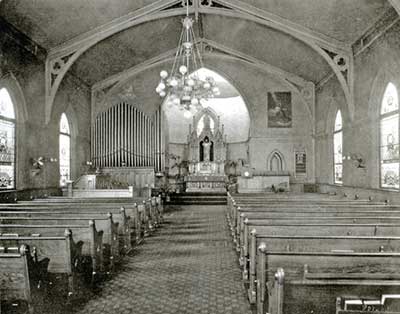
point(300, 162)
point(279, 109)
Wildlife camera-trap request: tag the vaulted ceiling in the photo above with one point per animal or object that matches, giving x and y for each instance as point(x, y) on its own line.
point(52, 23)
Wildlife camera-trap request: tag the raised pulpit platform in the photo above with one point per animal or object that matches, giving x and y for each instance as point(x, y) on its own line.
point(205, 183)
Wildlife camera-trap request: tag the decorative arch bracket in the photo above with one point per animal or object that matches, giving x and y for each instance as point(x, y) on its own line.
point(343, 67)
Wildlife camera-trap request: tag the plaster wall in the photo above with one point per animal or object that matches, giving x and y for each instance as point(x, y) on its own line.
point(374, 69)
point(25, 80)
point(253, 84)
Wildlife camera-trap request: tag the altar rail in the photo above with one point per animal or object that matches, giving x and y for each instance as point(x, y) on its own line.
point(256, 182)
point(138, 180)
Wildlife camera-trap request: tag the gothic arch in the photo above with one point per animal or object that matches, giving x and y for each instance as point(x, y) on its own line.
point(61, 60)
point(276, 160)
point(10, 82)
point(213, 115)
point(13, 87)
point(383, 77)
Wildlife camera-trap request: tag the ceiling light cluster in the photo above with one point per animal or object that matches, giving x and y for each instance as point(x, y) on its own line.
point(182, 86)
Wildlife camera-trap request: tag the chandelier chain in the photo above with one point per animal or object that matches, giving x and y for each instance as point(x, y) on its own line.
point(183, 87)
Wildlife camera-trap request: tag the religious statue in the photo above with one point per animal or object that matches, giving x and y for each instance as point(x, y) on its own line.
point(206, 150)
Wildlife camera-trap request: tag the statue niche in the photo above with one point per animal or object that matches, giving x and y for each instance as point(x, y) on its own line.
point(207, 153)
point(206, 150)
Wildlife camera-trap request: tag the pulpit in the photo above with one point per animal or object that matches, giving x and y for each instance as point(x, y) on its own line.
point(207, 155)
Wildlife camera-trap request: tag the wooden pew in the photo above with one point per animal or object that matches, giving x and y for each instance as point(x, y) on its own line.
point(65, 256)
point(91, 238)
point(154, 201)
point(135, 227)
point(301, 282)
point(315, 229)
point(125, 228)
point(311, 243)
point(250, 224)
point(243, 200)
point(103, 223)
point(234, 215)
point(153, 210)
point(20, 275)
point(300, 212)
point(387, 303)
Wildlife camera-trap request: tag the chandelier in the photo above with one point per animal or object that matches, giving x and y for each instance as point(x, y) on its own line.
point(182, 85)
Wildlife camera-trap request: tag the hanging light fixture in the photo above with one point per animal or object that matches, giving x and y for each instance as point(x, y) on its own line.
point(182, 86)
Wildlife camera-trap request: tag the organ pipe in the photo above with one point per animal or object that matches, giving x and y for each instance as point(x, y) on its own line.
point(135, 126)
point(124, 136)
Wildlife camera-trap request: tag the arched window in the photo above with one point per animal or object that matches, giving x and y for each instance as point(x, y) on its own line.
point(338, 148)
point(7, 141)
point(65, 150)
point(389, 138)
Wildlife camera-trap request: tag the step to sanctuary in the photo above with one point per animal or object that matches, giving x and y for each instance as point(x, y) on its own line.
point(197, 198)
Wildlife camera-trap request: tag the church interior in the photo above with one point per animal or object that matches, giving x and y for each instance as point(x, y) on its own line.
point(199, 156)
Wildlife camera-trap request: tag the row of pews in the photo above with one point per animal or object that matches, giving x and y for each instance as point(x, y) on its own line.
point(315, 253)
point(68, 245)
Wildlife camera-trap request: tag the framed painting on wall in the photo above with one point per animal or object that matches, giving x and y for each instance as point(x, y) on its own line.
point(279, 109)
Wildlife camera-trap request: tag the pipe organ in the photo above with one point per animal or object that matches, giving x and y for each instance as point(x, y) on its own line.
point(123, 136)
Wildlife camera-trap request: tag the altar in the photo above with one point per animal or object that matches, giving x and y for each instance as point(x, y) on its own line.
point(207, 155)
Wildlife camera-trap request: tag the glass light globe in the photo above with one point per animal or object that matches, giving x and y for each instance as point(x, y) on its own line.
point(215, 90)
point(158, 90)
point(173, 82)
point(177, 101)
point(163, 93)
point(194, 101)
point(161, 86)
point(164, 74)
point(186, 97)
point(187, 114)
point(190, 82)
point(183, 69)
point(206, 85)
point(210, 79)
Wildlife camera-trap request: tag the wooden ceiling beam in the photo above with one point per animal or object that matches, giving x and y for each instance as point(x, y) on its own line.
point(396, 5)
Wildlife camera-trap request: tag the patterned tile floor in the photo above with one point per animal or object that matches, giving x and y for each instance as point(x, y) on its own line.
point(187, 266)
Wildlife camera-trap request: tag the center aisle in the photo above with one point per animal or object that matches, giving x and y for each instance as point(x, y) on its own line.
point(188, 266)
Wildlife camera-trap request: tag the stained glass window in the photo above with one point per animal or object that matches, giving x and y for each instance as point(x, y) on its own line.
point(7, 141)
point(338, 148)
point(389, 138)
point(65, 150)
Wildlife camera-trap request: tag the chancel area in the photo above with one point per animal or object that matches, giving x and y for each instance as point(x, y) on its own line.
point(200, 156)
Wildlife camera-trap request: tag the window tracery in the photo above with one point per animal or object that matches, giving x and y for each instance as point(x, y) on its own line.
point(65, 150)
point(338, 148)
point(7, 141)
point(389, 139)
